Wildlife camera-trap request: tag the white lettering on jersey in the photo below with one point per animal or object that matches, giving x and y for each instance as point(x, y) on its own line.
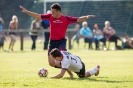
point(57, 21)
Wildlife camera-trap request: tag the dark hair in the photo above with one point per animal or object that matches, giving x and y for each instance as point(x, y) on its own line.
point(56, 6)
point(126, 35)
point(96, 24)
point(55, 52)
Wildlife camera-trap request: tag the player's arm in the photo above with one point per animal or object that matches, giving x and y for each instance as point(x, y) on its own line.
point(84, 18)
point(32, 14)
point(70, 73)
point(61, 74)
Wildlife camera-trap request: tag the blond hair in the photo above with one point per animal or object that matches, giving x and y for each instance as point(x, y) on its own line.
point(14, 17)
point(107, 22)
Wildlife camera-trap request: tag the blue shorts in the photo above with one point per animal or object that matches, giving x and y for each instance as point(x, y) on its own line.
point(60, 44)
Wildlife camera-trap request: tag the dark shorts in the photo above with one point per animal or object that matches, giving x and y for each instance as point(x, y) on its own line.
point(1, 44)
point(60, 44)
point(12, 33)
point(81, 74)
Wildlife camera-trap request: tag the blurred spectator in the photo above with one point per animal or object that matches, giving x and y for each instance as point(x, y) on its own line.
point(127, 42)
point(98, 34)
point(13, 26)
point(2, 39)
point(109, 33)
point(87, 34)
point(76, 36)
point(45, 24)
point(35, 25)
point(1, 23)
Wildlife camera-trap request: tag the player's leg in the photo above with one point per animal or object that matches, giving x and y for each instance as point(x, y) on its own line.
point(93, 71)
point(51, 61)
point(81, 74)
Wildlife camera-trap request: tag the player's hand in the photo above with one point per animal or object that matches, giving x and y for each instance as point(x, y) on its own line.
point(71, 76)
point(90, 16)
point(23, 9)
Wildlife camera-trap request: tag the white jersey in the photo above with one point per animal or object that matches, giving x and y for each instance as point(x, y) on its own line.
point(71, 62)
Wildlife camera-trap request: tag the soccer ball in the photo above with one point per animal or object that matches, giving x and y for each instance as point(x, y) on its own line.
point(43, 72)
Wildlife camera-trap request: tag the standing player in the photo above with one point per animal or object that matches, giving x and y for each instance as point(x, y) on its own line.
point(58, 27)
point(73, 63)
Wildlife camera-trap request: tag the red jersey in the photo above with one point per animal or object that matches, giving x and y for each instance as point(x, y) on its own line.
point(58, 26)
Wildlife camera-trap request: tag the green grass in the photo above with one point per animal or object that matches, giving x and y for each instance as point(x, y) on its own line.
point(19, 69)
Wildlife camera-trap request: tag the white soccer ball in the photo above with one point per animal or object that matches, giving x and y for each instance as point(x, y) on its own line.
point(43, 72)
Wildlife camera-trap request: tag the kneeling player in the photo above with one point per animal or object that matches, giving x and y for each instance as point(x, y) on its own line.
point(70, 62)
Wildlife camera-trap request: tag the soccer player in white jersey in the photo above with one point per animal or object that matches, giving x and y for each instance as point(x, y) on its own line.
point(70, 62)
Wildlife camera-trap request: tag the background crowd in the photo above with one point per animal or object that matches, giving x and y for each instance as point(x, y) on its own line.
point(98, 35)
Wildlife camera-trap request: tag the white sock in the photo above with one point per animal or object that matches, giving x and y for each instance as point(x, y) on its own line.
point(93, 71)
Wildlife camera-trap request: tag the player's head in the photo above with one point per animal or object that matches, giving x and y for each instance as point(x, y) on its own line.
point(56, 10)
point(55, 53)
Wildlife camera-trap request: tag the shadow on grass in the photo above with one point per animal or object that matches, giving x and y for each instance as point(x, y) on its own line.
point(99, 79)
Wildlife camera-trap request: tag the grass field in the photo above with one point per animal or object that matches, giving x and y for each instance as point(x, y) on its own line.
point(19, 69)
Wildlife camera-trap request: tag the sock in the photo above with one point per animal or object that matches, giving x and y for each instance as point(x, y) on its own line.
point(92, 71)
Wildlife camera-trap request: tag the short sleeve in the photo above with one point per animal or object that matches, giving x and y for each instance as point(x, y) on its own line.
point(45, 16)
point(65, 63)
point(71, 19)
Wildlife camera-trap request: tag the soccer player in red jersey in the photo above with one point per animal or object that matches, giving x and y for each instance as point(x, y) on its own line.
point(58, 27)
